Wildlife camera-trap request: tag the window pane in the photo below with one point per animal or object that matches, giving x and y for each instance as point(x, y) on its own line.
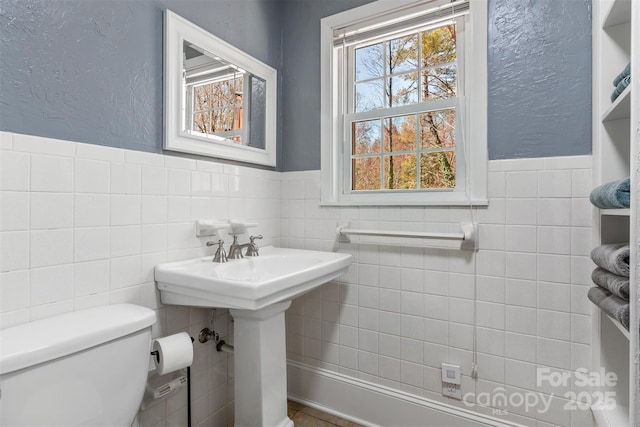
point(438, 83)
point(237, 116)
point(439, 46)
point(366, 173)
point(366, 137)
point(201, 95)
point(438, 170)
point(400, 133)
point(238, 110)
point(404, 71)
point(237, 105)
point(238, 88)
point(369, 96)
point(369, 62)
point(201, 122)
point(402, 90)
point(222, 120)
point(222, 92)
point(400, 172)
point(437, 129)
point(402, 54)
point(236, 139)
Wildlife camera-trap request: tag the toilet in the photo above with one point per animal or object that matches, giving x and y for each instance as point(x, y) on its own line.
point(85, 368)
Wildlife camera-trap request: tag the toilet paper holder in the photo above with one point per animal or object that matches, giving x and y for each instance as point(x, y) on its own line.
point(156, 353)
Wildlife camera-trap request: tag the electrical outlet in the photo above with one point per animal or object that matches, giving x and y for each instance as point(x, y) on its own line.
point(452, 390)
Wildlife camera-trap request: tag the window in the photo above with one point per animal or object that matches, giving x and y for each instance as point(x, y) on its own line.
point(404, 104)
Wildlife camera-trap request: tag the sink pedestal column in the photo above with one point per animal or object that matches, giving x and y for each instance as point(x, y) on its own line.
point(260, 360)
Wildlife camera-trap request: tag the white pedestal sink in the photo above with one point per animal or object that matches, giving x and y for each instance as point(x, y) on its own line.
point(261, 366)
point(257, 290)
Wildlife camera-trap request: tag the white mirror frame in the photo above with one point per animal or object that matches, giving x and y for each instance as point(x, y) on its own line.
point(178, 29)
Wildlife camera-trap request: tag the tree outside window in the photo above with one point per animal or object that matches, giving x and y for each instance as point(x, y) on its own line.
point(405, 151)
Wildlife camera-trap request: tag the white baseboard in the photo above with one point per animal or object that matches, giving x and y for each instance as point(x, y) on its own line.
point(375, 405)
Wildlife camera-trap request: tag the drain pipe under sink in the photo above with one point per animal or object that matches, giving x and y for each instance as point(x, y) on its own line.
point(223, 346)
point(207, 335)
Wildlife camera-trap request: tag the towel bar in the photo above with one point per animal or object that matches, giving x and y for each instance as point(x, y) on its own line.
point(467, 234)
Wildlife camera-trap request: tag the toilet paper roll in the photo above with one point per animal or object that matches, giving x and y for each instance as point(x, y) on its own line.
point(175, 352)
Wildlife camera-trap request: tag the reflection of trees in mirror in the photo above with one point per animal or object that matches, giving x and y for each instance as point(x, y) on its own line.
point(218, 100)
point(407, 70)
point(218, 107)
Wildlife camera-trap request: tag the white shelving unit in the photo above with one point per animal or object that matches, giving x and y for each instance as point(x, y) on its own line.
point(615, 212)
point(620, 108)
point(616, 138)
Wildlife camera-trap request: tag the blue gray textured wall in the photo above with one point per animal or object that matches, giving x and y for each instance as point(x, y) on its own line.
point(539, 78)
point(301, 78)
point(91, 71)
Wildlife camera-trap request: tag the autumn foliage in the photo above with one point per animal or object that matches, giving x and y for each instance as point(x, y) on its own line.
point(409, 151)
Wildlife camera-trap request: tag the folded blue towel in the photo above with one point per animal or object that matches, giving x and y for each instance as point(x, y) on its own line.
point(613, 257)
point(617, 285)
point(622, 75)
point(620, 87)
point(610, 304)
point(612, 195)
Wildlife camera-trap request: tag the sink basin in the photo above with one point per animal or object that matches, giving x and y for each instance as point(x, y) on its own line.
point(250, 283)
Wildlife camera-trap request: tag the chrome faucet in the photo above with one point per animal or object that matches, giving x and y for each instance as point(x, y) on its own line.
point(221, 255)
point(235, 250)
point(252, 249)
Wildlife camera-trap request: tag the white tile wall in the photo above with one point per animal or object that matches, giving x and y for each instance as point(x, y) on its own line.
point(83, 225)
point(405, 310)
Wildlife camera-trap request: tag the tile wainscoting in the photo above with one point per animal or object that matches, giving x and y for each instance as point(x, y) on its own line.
point(403, 310)
point(83, 225)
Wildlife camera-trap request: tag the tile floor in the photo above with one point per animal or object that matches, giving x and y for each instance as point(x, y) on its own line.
point(304, 416)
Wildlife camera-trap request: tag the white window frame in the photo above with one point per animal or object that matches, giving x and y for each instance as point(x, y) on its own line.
point(471, 113)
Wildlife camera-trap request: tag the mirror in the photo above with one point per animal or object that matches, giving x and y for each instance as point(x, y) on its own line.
point(219, 101)
point(222, 101)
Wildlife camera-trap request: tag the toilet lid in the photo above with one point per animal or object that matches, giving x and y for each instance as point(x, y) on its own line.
point(47, 339)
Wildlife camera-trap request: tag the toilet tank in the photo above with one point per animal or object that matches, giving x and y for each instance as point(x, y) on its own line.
point(85, 368)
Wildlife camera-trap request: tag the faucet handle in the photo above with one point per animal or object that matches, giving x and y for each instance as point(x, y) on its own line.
point(219, 242)
point(252, 248)
point(221, 255)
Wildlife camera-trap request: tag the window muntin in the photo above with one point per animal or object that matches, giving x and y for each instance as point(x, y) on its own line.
point(414, 151)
